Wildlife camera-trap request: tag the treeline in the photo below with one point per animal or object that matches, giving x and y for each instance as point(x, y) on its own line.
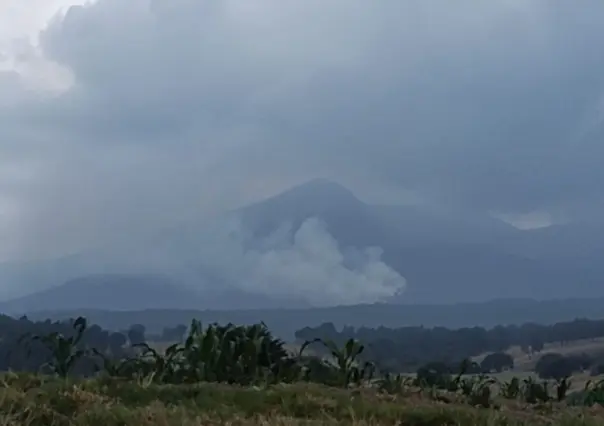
point(23, 343)
point(396, 350)
point(23, 347)
point(408, 348)
point(244, 354)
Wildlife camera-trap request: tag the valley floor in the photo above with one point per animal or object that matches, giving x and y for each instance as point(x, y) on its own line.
point(42, 401)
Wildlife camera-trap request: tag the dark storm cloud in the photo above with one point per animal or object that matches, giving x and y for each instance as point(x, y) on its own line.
point(182, 106)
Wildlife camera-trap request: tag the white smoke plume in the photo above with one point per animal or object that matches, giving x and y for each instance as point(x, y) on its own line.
point(306, 264)
point(299, 267)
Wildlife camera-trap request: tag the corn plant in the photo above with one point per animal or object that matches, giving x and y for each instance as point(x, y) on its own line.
point(562, 387)
point(125, 367)
point(363, 374)
point(466, 386)
point(481, 394)
point(534, 392)
point(459, 383)
point(158, 367)
point(229, 354)
point(346, 361)
point(64, 350)
point(593, 393)
point(511, 389)
point(394, 383)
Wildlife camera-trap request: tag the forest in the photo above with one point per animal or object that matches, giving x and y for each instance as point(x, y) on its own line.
point(408, 348)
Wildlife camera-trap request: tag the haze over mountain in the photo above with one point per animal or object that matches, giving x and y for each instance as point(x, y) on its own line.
point(317, 244)
point(133, 134)
point(446, 256)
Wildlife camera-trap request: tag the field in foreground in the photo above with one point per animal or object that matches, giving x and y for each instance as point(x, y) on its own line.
point(46, 401)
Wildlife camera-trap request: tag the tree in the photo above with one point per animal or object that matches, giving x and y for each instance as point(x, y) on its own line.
point(116, 343)
point(174, 334)
point(326, 331)
point(537, 344)
point(407, 348)
point(580, 362)
point(498, 362)
point(554, 366)
point(558, 370)
point(179, 332)
point(136, 334)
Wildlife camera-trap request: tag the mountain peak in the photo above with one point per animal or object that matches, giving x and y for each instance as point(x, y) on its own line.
point(314, 196)
point(320, 190)
point(319, 198)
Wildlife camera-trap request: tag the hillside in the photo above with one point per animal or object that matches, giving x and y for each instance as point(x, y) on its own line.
point(111, 292)
point(127, 292)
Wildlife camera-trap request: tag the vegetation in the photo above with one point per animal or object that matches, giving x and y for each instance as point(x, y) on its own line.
point(36, 400)
point(244, 375)
point(497, 362)
point(408, 348)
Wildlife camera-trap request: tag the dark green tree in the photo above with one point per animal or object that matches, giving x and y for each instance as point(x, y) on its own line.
point(136, 334)
point(498, 362)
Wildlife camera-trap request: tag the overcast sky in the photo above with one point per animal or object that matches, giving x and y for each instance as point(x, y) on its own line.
point(124, 116)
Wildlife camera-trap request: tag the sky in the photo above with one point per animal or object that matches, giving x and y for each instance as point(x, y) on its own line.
point(121, 117)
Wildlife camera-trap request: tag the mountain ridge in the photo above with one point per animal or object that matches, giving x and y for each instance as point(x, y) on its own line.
point(445, 256)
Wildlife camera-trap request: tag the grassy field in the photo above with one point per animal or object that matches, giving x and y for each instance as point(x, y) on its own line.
point(244, 354)
point(44, 401)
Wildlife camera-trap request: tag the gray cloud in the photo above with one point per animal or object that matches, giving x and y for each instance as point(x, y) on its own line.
point(184, 108)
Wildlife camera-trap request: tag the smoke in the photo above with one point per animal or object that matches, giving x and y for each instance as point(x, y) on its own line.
point(297, 266)
point(305, 265)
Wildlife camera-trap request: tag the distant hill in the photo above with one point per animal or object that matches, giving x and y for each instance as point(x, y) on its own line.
point(108, 292)
point(124, 292)
point(284, 322)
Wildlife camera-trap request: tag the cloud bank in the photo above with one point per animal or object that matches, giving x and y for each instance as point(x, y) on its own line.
point(157, 112)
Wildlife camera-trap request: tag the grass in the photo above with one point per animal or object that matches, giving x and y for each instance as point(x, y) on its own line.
point(173, 389)
point(46, 401)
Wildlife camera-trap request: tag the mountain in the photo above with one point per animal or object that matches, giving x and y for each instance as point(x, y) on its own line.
point(354, 222)
point(349, 220)
point(446, 256)
point(122, 292)
point(110, 292)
